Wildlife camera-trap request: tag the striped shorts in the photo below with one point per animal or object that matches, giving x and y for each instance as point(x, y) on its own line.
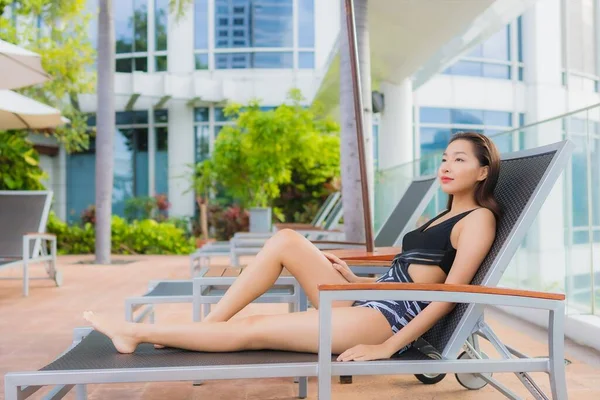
point(400, 313)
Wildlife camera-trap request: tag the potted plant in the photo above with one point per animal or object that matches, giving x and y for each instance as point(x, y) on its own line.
point(256, 156)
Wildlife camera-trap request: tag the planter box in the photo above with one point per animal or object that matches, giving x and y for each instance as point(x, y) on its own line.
point(260, 220)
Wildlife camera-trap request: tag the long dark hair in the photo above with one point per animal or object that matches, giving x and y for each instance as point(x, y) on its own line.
point(488, 155)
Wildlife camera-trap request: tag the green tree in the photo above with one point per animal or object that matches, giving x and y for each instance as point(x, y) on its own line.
point(60, 37)
point(255, 157)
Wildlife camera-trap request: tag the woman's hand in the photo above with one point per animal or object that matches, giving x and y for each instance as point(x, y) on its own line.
point(341, 267)
point(366, 352)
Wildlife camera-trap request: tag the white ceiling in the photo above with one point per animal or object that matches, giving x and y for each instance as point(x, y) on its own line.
point(419, 38)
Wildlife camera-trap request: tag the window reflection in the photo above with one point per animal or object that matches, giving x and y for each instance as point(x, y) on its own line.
point(492, 58)
point(131, 163)
point(256, 24)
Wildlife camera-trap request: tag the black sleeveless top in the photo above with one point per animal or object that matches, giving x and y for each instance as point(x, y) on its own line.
point(434, 241)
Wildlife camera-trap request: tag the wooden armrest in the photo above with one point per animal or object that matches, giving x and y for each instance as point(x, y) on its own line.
point(367, 263)
point(379, 253)
point(443, 287)
point(294, 225)
point(41, 235)
point(340, 242)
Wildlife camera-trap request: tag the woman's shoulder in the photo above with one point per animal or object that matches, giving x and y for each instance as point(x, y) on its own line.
point(479, 217)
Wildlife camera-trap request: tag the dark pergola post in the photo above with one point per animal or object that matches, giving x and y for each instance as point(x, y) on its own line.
point(358, 112)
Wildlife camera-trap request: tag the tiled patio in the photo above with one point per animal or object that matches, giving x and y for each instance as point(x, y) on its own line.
point(36, 329)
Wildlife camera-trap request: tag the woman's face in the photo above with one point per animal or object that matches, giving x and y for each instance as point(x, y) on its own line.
point(460, 171)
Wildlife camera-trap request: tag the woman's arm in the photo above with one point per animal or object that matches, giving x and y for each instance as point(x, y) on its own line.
point(473, 243)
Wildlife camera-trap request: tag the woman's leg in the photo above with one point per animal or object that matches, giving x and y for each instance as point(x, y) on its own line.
point(290, 332)
point(288, 249)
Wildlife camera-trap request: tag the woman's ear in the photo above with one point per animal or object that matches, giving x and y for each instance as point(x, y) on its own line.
point(483, 173)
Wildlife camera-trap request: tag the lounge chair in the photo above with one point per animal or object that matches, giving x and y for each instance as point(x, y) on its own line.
point(23, 241)
point(329, 215)
point(526, 178)
point(214, 282)
point(415, 199)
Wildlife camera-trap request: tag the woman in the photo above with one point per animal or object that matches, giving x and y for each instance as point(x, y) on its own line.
point(448, 248)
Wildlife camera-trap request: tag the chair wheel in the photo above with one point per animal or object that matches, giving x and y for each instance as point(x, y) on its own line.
point(58, 278)
point(430, 379)
point(472, 381)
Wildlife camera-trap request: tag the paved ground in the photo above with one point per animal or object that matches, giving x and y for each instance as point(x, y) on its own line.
point(36, 329)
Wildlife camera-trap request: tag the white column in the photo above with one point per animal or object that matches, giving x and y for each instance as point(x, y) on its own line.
point(180, 42)
point(396, 140)
point(545, 98)
point(181, 116)
point(181, 156)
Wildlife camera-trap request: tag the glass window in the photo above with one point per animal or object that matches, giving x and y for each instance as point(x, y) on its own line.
point(91, 120)
point(123, 65)
point(202, 142)
point(497, 47)
point(140, 117)
point(161, 174)
point(466, 116)
point(504, 143)
point(497, 118)
point(264, 23)
point(579, 177)
point(595, 169)
point(495, 71)
point(201, 24)
point(273, 60)
point(81, 183)
point(520, 38)
point(232, 60)
point(434, 139)
point(123, 15)
point(201, 114)
point(201, 61)
point(306, 23)
point(161, 23)
point(140, 26)
point(161, 116)
point(161, 63)
point(218, 129)
point(141, 64)
point(123, 186)
point(466, 68)
point(306, 60)
point(434, 115)
point(124, 118)
point(220, 115)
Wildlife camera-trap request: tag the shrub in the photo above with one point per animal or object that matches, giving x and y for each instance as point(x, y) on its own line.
point(227, 221)
point(19, 163)
point(140, 237)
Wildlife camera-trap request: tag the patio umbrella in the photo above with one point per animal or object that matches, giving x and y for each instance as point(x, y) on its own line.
point(19, 67)
point(21, 112)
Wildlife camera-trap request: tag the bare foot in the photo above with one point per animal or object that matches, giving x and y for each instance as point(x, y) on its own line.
point(159, 346)
point(119, 332)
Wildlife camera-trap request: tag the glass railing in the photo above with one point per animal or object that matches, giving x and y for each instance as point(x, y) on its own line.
point(561, 251)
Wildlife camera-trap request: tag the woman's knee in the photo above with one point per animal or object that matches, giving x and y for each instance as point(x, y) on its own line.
point(286, 238)
point(253, 327)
